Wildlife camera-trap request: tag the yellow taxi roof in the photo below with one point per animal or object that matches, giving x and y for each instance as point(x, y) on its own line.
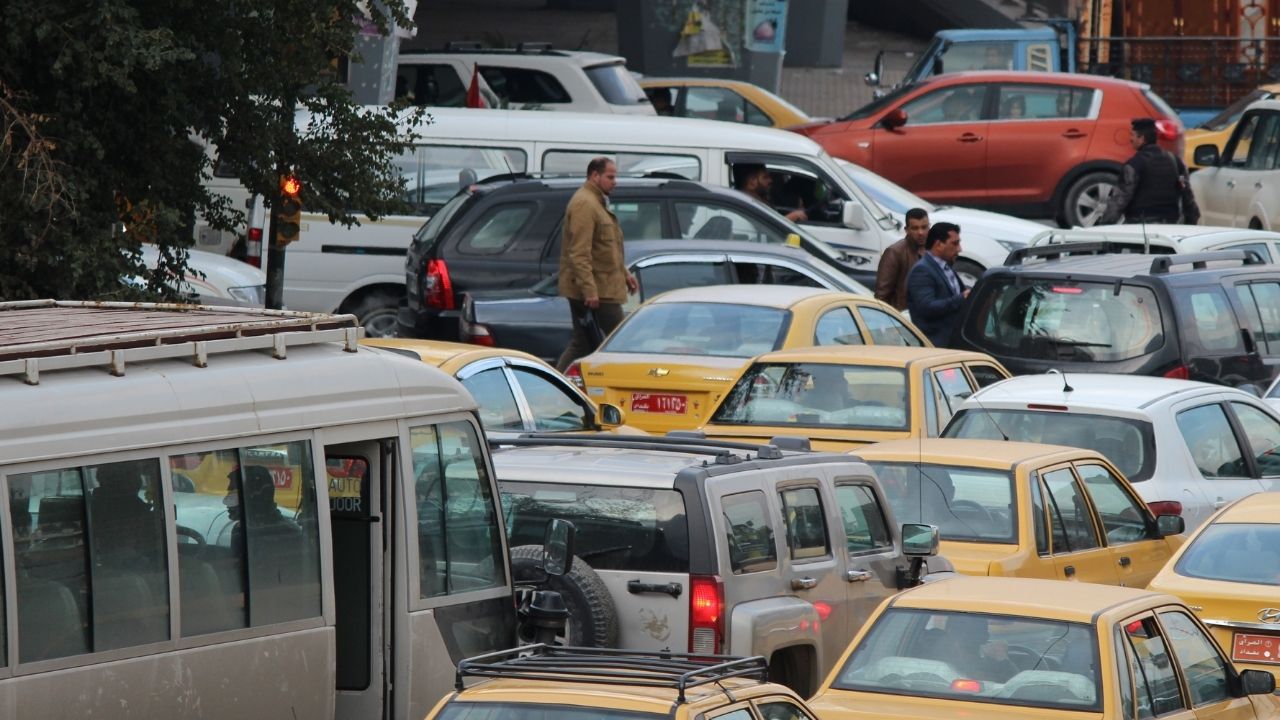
point(1263, 507)
point(889, 355)
point(970, 453)
point(636, 698)
point(438, 352)
point(777, 296)
point(1028, 597)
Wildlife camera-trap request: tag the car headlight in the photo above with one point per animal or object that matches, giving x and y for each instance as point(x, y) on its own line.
point(1011, 245)
point(252, 295)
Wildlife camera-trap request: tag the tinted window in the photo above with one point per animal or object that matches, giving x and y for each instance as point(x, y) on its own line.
point(430, 230)
point(955, 387)
point(702, 221)
point(659, 278)
point(764, 273)
point(1069, 513)
point(498, 409)
point(1261, 303)
point(781, 710)
point(553, 407)
point(1157, 683)
point(985, 375)
point(1211, 441)
point(719, 329)
point(864, 523)
point(573, 163)
point(521, 85)
point(1206, 673)
point(1230, 115)
point(616, 85)
point(639, 219)
point(1061, 320)
point(497, 229)
point(616, 528)
point(1038, 102)
point(960, 103)
point(749, 532)
point(722, 104)
point(1262, 433)
point(817, 395)
point(1235, 552)
point(1236, 153)
point(806, 524)
point(1207, 322)
point(968, 504)
point(437, 85)
point(1123, 517)
point(837, 327)
point(886, 329)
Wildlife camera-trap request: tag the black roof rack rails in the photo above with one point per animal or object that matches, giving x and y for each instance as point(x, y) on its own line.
point(1056, 251)
point(610, 666)
point(462, 45)
point(533, 47)
point(1199, 261)
point(721, 449)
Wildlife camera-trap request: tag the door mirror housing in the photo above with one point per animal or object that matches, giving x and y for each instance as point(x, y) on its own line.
point(1206, 155)
point(895, 119)
point(852, 217)
point(557, 547)
point(919, 540)
point(611, 416)
point(1168, 525)
point(1257, 682)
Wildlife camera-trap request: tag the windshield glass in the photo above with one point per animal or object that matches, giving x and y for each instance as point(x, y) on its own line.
point(884, 191)
point(427, 234)
point(966, 504)
point(719, 329)
point(1235, 552)
point(1064, 320)
point(616, 84)
point(818, 395)
point(1230, 115)
point(875, 106)
point(535, 711)
point(977, 658)
point(1128, 443)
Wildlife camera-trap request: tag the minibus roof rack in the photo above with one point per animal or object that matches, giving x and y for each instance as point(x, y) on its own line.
point(40, 335)
point(694, 445)
point(610, 666)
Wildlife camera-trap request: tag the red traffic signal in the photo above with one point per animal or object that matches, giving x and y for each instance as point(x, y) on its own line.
point(288, 210)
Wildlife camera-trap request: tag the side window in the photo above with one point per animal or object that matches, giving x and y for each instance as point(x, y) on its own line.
point(1261, 303)
point(1155, 678)
point(1122, 516)
point(885, 329)
point(985, 375)
point(955, 387)
point(659, 278)
point(1236, 153)
point(782, 275)
point(1039, 518)
point(496, 229)
point(1208, 323)
point(552, 406)
point(432, 174)
point(1263, 144)
point(796, 183)
point(639, 219)
point(436, 85)
point(781, 709)
point(498, 409)
point(703, 221)
point(521, 85)
point(717, 104)
point(806, 523)
point(837, 327)
point(1042, 102)
point(959, 103)
point(936, 414)
point(1262, 433)
point(459, 535)
point(749, 532)
point(573, 163)
point(1213, 445)
point(864, 523)
point(1073, 528)
point(1204, 669)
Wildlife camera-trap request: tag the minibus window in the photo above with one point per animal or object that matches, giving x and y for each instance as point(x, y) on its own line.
point(459, 541)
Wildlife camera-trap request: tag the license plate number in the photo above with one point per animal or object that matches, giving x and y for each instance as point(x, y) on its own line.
point(1248, 647)
point(659, 403)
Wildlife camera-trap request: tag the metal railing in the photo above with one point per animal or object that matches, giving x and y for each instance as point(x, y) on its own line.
point(1186, 71)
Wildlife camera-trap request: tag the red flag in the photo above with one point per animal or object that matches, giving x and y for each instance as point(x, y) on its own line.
point(474, 99)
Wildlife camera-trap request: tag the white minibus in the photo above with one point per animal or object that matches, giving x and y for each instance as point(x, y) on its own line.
point(233, 513)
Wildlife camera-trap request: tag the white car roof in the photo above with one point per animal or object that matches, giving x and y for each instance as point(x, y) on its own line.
point(1128, 395)
point(1183, 238)
point(581, 58)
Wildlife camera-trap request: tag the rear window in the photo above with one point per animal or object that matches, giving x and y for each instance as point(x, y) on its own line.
point(1234, 552)
point(1128, 443)
point(1063, 320)
point(719, 329)
point(616, 84)
point(964, 503)
point(817, 395)
point(617, 528)
point(430, 230)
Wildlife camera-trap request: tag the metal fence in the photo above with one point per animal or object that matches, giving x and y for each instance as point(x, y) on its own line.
point(1186, 71)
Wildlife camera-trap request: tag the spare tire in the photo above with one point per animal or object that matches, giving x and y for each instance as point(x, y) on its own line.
point(593, 622)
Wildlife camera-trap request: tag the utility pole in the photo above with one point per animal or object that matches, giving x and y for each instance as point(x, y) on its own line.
point(286, 213)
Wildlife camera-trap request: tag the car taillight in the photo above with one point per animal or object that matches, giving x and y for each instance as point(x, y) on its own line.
point(574, 373)
point(1167, 129)
point(1165, 507)
point(253, 247)
point(476, 334)
point(437, 289)
point(1180, 372)
point(706, 614)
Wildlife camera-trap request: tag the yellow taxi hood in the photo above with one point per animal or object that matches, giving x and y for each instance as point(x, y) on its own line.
point(975, 558)
point(834, 704)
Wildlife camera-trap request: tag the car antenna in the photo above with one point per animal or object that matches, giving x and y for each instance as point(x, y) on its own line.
point(1146, 241)
point(1066, 386)
point(1003, 435)
point(511, 173)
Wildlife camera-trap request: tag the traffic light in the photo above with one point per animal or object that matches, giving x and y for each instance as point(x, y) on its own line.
point(289, 211)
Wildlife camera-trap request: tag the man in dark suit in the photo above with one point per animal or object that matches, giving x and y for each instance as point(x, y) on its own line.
point(935, 293)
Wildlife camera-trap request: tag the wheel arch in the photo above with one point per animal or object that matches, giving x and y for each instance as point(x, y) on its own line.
point(1069, 178)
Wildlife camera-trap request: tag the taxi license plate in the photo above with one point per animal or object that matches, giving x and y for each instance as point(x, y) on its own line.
point(659, 403)
point(1252, 648)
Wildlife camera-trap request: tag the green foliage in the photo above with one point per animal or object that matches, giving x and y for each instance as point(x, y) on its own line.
point(106, 108)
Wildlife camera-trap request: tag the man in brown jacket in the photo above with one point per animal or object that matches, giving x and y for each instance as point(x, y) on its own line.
point(897, 259)
point(593, 271)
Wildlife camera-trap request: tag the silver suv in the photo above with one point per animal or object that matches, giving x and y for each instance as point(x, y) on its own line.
point(690, 545)
point(532, 76)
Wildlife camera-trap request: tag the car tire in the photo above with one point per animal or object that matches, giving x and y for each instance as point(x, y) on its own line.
point(1086, 199)
point(969, 272)
point(377, 311)
point(593, 621)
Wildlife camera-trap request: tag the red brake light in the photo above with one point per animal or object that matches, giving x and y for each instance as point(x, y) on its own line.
point(1167, 129)
point(966, 686)
point(1180, 372)
point(437, 288)
point(476, 334)
point(706, 614)
point(253, 247)
point(1041, 406)
point(1068, 290)
point(574, 373)
point(1165, 507)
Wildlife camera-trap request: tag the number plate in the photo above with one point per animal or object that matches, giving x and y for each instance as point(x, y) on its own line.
point(659, 403)
point(1251, 648)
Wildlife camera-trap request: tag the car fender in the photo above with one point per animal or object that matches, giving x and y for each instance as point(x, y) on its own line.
point(354, 288)
point(762, 627)
point(1074, 174)
point(1258, 208)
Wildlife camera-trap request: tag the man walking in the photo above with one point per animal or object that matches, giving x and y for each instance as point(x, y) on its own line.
point(593, 272)
point(898, 259)
point(934, 291)
point(1154, 187)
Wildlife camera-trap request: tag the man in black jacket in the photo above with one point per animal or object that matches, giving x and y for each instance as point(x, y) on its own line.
point(1154, 187)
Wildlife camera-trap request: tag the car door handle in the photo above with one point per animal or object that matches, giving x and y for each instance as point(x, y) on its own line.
point(857, 575)
point(1257, 185)
point(635, 587)
point(1069, 570)
point(1124, 561)
point(804, 583)
point(1231, 183)
point(969, 138)
point(1073, 134)
point(1217, 504)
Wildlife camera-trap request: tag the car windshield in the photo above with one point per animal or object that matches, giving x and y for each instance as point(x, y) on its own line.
point(430, 230)
point(617, 528)
point(965, 503)
point(616, 84)
point(818, 395)
point(1128, 443)
point(976, 657)
point(885, 192)
point(535, 711)
point(694, 328)
point(1230, 115)
point(1234, 552)
point(1059, 319)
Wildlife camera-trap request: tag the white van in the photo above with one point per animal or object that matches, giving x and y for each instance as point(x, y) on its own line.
point(232, 513)
point(361, 269)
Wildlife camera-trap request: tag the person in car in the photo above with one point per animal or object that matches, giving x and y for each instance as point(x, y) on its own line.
point(935, 294)
point(756, 181)
point(967, 646)
point(1154, 187)
point(898, 259)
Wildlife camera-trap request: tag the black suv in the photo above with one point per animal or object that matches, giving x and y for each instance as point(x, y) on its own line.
point(505, 233)
point(1079, 307)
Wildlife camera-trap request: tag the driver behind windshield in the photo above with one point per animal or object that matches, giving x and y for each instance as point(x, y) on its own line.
point(756, 180)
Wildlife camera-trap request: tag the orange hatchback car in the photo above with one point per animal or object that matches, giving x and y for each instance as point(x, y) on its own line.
point(1035, 144)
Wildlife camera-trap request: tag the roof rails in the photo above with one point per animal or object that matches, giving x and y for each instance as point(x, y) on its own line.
point(680, 671)
point(1125, 235)
point(1056, 251)
point(684, 443)
point(40, 335)
point(476, 46)
point(1199, 261)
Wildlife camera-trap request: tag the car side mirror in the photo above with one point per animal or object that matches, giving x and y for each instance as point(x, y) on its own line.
point(895, 119)
point(1206, 155)
point(611, 416)
point(919, 540)
point(852, 217)
point(557, 547)
point(1257, 682)
point(1168, 525)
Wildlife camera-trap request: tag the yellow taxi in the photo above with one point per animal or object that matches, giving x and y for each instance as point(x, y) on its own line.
point(1228, 571)
point(670, 361)
point(537, 682)
point(719, 99)
point(516, 392)
point(1217, 129)
point(997, 648)
point(842, 398)
point(1025, 509)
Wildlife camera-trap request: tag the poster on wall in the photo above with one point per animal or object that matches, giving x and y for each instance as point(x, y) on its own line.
point(766, 25)
point(702, 43)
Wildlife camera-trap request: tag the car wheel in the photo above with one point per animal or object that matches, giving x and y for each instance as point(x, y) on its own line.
point(1086, 200)
point(969, 272)
point(593, 622)
point(376, 311)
